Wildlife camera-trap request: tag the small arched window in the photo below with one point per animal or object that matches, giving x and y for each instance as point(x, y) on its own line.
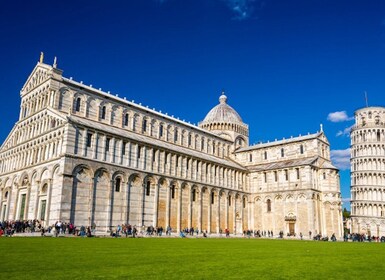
point(148, 188)
point(175, 135)
point(282, 152)
point(117, 184)
point(126, 119)
point(173, 192)
point(144, 125)
point(265, 155)
point(244, 202)
point(77, 105)
point(229, 200)
point(194, 194)
point(378, 136)
point(104, 112)
point(161, 131)
point(250, 157)
point(268, 205)
point(212, 198)
point(301, 150)
point(6, 195)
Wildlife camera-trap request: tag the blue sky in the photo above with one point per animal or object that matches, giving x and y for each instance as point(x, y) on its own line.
point(285, 65)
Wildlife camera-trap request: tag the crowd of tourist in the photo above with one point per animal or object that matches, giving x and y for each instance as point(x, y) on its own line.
point(9, 228)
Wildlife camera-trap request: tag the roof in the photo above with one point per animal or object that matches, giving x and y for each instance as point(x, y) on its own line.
point(222, 113)
point(284, 164)
point(142, 108)
point(153, 142)
point(314, 161)
point(281, 142)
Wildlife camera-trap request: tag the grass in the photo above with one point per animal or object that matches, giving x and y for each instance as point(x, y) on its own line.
point(190, 258)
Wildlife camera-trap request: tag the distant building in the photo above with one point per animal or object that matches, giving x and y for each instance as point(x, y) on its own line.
point(81, 155)
point(368, 172)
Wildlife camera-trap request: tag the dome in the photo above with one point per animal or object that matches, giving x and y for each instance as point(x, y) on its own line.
point(222, 113)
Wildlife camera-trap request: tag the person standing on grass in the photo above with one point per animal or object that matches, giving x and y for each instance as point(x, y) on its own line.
point(93, 228)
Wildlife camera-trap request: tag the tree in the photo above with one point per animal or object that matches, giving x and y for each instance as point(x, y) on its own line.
point(345, 214)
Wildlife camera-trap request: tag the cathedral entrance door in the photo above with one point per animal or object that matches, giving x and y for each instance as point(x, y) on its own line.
point(292, 228)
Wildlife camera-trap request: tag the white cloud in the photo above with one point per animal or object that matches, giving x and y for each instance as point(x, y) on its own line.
point(341, 158)
point(345, 132)
point(346, 199)
point(340, 116)
point(242, 9)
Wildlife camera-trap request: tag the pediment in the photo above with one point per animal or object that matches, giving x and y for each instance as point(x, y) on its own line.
point(41, 73)
point(12, 138)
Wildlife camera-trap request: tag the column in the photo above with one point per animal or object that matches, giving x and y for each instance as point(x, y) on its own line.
point(48, 208)
point(84, 144)
point(95, 156)
point(156, 201)
point(168, 206)
point(219, 212)
point(200, 210)
point(227, 211)
point(209, 213)
point(235, 214)
point(179, 221)
point(189, 222)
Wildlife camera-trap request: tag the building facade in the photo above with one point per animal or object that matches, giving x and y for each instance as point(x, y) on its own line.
point(81, 155)
point(368, 172)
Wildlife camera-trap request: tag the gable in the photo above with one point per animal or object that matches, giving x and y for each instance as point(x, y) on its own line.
point(13, 138)
point(41, 73)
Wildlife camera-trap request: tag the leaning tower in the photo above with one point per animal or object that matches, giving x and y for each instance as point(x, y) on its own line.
point(368, 172)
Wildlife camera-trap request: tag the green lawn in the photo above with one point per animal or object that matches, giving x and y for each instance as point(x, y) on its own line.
point(190, 258)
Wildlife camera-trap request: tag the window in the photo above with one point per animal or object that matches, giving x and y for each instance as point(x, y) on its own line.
point(161, 131)
point(103, 112)
point(148, 188)
point(268, 204)
point(212, 198)
point(244, 202)
point(286, 175)
point(144, 125)
point(297, 171)
point(89, 139)
point(126, 120)
point(265, 176)
point(173, 192)
point(229, 200)
point(282, 152)
point(117, 184)
point(301, 149)
point(189, 140)
point(250, 158)
point(275, 176)
point(175, 135)
point(77, 104)
point(124, 148)
point(265, 155)
point(153, 155)
point(378, 136)
point(139, 150)
point(324, 175)
point(202, 144)
point(194, 194)
point(108, 144)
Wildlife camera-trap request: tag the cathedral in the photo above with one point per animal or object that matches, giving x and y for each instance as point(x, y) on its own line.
point(81, 155)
